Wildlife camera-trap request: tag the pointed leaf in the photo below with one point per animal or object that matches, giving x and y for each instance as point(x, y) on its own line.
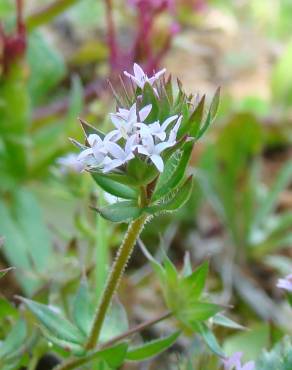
point(73, 348)
point(177, 200)
point(120, 212)
point(115, 323)
point(211, 114)
point(113, 187)
point(14, 340)
point(54, 322)
point(210, 340)
point(283, 178)
point(82, 309)
point(88, 129)
point(166, 185)
point(113, 356)
point(195, 282)
point(199, 311)
point(151, 349)
point(222, 320)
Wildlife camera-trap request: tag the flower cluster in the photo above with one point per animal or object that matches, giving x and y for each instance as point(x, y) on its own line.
point(132, 136)
point(234, 363)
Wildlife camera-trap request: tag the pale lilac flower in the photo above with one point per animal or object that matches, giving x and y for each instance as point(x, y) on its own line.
point(120, 156)
point(155, 129)
point(70, 163)
point(97, 151)
point(125, 120)
point(234, 363)
point(285, 283)
point(140, 77)
point(153, 151)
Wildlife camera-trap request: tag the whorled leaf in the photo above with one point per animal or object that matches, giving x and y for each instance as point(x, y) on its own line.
point(151, 349)
point(52, 321)
point(120, 212)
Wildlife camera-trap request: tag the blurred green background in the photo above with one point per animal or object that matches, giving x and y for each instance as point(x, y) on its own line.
point(55, 60)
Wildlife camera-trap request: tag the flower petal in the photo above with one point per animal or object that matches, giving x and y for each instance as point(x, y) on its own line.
point(249, 366)
point(85, 154)
point(115, 150)
point(158, 162)
point(117, 120)
point(144, 112)
point(110, 164)
point(139, 73)
point(168, 121)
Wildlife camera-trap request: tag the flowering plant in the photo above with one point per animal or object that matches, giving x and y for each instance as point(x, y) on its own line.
point(142, 161)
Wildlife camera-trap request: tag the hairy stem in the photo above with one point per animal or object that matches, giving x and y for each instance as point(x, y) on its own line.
point(112, 284)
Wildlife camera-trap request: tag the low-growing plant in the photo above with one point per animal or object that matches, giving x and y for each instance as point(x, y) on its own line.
point(143, 163)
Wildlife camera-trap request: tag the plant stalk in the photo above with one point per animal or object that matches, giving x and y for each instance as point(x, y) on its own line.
point(112, 284)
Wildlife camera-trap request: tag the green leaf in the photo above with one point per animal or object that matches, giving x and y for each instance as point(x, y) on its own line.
point(115, 323)
point(15, 250)
point(30, 221)
point(269, 203)
point(151, 349)
point(149, 97)
point(82, 312)
point(195, 283)
point(196, 118)
point(222, 320)
point(198, 311)
point(174, 172)
point(68, 346)
point(279, 358)
point(211, 114)
point(88, 129)
point(120, 212)
point(56, 324)
point(176, 200)
point(113, 187)
point(14, 340)
point(158, 269)
point(75, 103)
point(47, 67)
point(210, 340)
point(141, 172)
point(192, 125)
point(171, 273)
point(113, 356)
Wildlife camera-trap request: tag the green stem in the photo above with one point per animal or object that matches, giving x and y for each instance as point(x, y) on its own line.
point(112, 284)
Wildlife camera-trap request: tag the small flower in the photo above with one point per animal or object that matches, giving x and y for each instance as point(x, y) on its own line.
point(97, 151)
point(125, 120)
point(70, 163)
point(155, 129)
point(119, 155)
point(285, 283)
point(234, 363)
point(140, 77)
point(153, 151)
point(174, 130)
